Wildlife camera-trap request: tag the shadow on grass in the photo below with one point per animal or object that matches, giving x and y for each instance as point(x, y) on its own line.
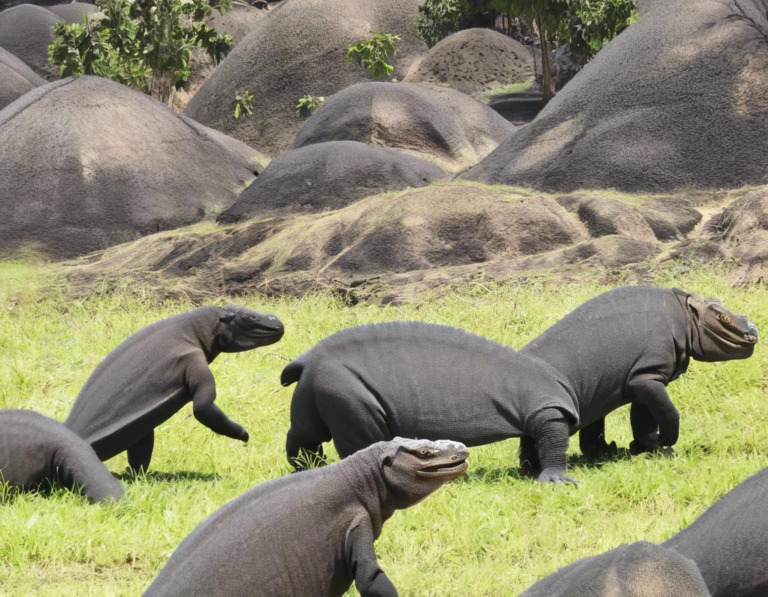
point(167, 477)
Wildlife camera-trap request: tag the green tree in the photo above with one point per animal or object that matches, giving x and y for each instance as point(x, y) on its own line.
point(374, 53)
point(439, 18)
point(590, 24)
point(145, 44)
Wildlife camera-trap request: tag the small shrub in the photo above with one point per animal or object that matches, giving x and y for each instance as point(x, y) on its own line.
point(439, 18)
point(374, 53)
point(243, 105)
point(308, 104)
point(145, 44)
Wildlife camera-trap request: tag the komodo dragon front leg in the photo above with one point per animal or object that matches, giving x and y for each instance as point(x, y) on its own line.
point(550, 430)
point(370, 579)
point(202, 386)
point(652, 409)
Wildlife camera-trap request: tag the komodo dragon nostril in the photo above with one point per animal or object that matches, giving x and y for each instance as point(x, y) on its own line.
point(454, 457)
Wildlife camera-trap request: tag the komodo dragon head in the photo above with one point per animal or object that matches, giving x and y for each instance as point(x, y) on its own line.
point(717, 333)
point(242, 329)
point(414, 468)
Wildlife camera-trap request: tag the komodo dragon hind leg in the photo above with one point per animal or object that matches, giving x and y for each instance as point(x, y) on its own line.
point(140, 453)
point(592, 441)
point(529, 456)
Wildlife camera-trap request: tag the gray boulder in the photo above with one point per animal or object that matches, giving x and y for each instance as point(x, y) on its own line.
point(73, 12)
point(439, 124)
point(16, 78)
point(88, 163)
point(26, 31)
point(678, 100)
point(473, 61)
point(299, 49)
point(329, 176)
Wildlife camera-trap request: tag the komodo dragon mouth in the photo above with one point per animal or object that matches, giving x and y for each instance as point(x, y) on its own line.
point(455, 466)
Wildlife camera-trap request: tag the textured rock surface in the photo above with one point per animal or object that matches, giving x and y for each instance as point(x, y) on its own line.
point(442, 125)
point(238, 22)
point(26, 31)
point(473, 61)
point(299, 48)
point(86, 163)
point(16, 78)
point(329, 176)
point(678, 100)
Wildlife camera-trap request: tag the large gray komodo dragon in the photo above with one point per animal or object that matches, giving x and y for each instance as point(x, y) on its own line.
point(636, 570)
point(36, 452)
point(729, 542)
point(310, 534)
point(624, 346)
point(724, 550)
point(373, 382)
point(156, 371)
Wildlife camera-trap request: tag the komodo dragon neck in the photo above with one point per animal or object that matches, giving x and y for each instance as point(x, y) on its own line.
point(204, 324)
point(365, 478)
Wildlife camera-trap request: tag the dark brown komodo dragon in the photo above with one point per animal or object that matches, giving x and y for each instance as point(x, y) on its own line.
point(156, 371)
point(373, 382)
point(38, 452)
point(310, 534)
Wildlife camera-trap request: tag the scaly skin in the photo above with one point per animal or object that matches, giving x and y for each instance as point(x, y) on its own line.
point(36, 451)
point(310, 534)
point(624, 346)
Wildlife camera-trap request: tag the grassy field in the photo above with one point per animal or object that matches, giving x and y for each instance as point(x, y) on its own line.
point(490, 533)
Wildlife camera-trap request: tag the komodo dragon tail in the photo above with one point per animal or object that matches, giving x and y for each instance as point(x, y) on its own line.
point(292, 372)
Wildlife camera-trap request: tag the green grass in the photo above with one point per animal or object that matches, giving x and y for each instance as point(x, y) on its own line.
point(490, 533)
point(523, 87)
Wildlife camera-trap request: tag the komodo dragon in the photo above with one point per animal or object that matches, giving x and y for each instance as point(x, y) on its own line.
point(374, 382)
point(624, 346)
point(310, 534)
point(729, 542)
point(36, 451)
point(370, 383)
point(156, 371)
point(636, 570)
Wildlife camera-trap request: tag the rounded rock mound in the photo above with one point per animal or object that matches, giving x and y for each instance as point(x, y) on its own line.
point(679, 100)
point(329, 176)
point(73, 12)
point(88, 163)
point(418, 229)
point(299, 49)
point(473, 61)
point(238, 22)
point(441, 125)
point(16, 78)
point(26, 31)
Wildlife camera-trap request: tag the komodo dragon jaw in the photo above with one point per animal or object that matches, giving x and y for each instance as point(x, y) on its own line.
point(243, 329)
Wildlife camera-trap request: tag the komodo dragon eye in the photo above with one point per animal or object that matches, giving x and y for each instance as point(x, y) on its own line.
point(724, 318)
point(424, 453)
